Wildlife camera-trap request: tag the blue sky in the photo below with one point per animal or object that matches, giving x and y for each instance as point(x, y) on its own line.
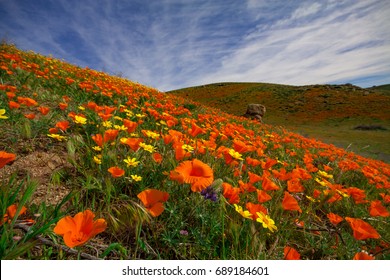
point(171, 44)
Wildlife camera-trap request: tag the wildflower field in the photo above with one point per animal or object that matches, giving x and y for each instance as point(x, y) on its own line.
point(96, 166)
point(330, 113)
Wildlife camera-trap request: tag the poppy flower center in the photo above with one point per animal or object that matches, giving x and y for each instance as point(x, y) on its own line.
point(79, 237)
point(197, 172)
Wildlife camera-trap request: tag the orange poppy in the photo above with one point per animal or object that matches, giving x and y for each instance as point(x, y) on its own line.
point(346, 165)
point(269, 163)
point(358, 195)
point(294, 185)
point(168, 139)
point(175, 136)
point(6, 158)
point(27, 101)
point(130, 125)
point(171, 123)
point(361, 229)
point(327, 168)
point(66, 98)
point(116, 171)
point(69, 81)
point(268, 184)
point(44, 110)
point(153, 200)
point(194, 172)
point(98, 139)
point(230, 193)
point(30, 116)
point(91, 105)
point(363, 256)
point(63, 125)
point(109, 110)
point(13, 105)
point(291, 254)
point(263, 196)
point(281, 174)
point(252, 161)
point(316, 193)
point(385, 197)
point(254, 208)
point(105, 117)
point(195, 130)
point(10, 94)
point(241, 147)
point(334, 218)
point(157, 157)
point(53, 130)
point(63, 106)
point(377, 209)
point(133, 143)
point(246, 187)
point(79, 229)
point(11, 211)
point(253, 178)
point(180, 153)
point(301, 173)
point(290, 203)
point(110, 135)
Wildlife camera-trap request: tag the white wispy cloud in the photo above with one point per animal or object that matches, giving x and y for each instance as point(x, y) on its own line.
point(336, 44)
point(171, 44)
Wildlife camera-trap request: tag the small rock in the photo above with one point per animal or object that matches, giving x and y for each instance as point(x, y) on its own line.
point(255, 112)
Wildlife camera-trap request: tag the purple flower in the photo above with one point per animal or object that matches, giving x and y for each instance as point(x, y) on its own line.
point(209, 193)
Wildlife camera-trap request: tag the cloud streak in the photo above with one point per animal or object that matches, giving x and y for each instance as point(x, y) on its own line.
point(170, 44)
point(336, 45)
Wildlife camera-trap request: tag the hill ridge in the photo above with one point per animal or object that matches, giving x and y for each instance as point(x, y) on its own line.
point(337, 107)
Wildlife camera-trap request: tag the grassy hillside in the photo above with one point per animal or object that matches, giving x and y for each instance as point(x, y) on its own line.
point(326, 112)
point(96, 166)
point(382, 89)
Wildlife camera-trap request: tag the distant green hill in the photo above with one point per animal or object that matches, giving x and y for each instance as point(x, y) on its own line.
point(327, 112)
point(383, 88)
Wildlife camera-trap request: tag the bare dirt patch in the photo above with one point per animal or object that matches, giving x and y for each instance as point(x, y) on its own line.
point(40, 166)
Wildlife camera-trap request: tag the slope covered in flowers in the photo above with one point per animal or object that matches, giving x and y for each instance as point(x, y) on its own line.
point(332, 113)
point(167, 178)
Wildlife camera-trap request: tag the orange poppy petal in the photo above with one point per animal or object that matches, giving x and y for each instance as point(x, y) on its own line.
point(11, 211)
point(262, 196)
point(6, 158)
point(65, 225)
point(152, 196)
point(157, 157)
point(363, 256)
point(290, 203)
point(268, 184)
point(291, 254)
point(99, 226)
point(72, 239)
point(377, 209)
point(116, 172)
point(201, 184)
point(334, 218)
point(156, 209)
point(253, 178)
point(84, 221)
point(361, 229)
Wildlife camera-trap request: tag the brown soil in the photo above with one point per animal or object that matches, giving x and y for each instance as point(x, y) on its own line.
point(39, 166)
